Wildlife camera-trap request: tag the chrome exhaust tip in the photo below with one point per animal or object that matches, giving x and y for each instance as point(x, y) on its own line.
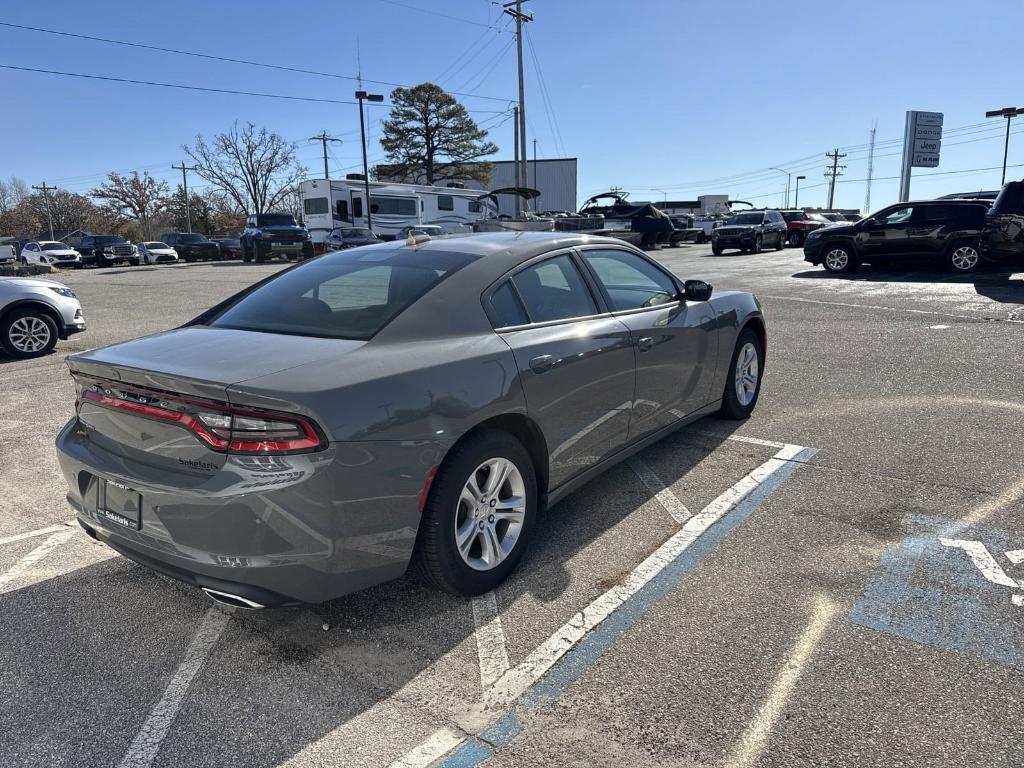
point(235, 601)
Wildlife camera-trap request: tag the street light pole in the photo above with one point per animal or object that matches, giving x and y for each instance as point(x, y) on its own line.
point(361, 95)
point(1009, 113)
point(796, 201)
point(787, 175)
point(664, 194)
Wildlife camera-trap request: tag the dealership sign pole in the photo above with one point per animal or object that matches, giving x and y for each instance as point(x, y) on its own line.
point(922, 139)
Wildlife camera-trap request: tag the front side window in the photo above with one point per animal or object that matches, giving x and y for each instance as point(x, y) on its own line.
point(343, 295)
point(899, 215)
point(554, 290)
point(630, 281)
point(445, 203)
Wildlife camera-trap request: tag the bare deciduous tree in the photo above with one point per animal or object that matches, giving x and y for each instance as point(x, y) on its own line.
point(139, 198)
point(255, 167)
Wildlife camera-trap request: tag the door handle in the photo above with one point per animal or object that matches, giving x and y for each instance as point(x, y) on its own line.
point(645, 343)
point(542, 363)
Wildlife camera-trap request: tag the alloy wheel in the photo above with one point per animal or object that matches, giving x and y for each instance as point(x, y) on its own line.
point(747, 371)
point(837, 259)
point(491, 513)
point(29, 334)
point(964, 258)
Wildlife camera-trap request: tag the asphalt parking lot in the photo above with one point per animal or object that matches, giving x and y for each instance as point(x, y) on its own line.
point(837, 581)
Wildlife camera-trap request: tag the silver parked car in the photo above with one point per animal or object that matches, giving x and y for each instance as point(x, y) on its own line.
point(35, 313)
point(319, 431)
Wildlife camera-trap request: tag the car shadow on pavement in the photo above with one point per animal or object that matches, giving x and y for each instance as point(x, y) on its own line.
point(275, 683)
point(996, 283)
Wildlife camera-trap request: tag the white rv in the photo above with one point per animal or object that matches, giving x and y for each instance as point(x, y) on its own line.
point(330, 203)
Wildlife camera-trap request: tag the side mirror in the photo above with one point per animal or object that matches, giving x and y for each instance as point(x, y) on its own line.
point(869, 222)
point(697, 290)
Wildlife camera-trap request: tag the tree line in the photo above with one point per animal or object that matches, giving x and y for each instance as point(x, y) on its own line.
point(428, 137)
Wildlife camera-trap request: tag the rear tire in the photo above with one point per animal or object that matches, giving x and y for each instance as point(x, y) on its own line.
point(717, 250)
point(28, 333)
point(963, 257)
point(838, 259)
point(758, 244)
point(796, 239)
point(782, 241)
point(491, 525)
point(741, 392)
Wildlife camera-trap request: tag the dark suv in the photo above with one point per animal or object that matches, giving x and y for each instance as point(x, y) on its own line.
point(192, 246)
point(274, 234)
point(750, 231)
point(1003, 237)
point(939, 230)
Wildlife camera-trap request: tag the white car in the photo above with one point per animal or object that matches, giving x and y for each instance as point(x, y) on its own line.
point(6, 254)
point(155, 252)
point(35, 313)
point(51, 252)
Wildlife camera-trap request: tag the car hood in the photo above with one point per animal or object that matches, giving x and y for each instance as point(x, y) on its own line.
point(282, 228)
point(205, 361)
point(838, 229)
point(62, 252)
point(31, 282)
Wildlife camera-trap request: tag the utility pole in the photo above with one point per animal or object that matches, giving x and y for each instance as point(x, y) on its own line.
point(535, 168)
point(324, 138)
point(46, 199)
point(184, 186)
point(520, 17)
point(871, 169)
point(1009, 113)
point(515, 161)
point(832, 173)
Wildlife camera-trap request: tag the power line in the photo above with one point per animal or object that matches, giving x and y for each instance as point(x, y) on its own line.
point(435, 13)
point(545, 96)
point(180, 86)
point(227, 59)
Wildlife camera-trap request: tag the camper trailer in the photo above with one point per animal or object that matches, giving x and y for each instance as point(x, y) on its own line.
point(330, 203)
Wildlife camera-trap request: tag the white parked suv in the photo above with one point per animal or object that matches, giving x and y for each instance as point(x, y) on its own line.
point(51, 252)
point(35, 313)
point(155, 252)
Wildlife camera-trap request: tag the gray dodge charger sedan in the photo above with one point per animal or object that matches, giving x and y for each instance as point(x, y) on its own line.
point(321, 430)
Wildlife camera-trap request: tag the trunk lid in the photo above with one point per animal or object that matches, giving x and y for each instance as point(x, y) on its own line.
point(189, 363)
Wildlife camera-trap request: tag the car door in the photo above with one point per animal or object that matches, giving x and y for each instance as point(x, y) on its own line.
point(576, 361)
point(675, 341)
point(928, 228)
point(887, 235)
point(30, 254)
point(779, 225)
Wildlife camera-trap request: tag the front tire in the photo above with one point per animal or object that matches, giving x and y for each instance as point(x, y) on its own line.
point(479, 514)
point(781, 242)
point(758, 243)
point(28, 333)
point(796, 239)
point(717, 250)
point(743, 384)
point(838, 259)
point(963, 257)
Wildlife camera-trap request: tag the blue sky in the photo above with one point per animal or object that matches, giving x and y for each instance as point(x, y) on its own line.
point(663, 98)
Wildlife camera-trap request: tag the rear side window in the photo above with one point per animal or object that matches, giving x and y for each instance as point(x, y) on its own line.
point(554, 290)
point(506, 309)
point(933, 214)
point(630, 281)
point(344, 295)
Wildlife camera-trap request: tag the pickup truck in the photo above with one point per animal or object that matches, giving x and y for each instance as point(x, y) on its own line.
point(104, 250)
point(274, 234)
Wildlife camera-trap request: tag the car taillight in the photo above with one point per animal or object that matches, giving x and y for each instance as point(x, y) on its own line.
point(221, 427)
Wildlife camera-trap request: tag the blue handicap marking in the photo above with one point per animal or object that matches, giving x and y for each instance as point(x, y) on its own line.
point(959, 590)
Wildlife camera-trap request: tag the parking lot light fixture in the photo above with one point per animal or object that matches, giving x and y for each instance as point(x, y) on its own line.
point(788, 177)
point(1009, 113)
point(364, 96)
point(796, 200)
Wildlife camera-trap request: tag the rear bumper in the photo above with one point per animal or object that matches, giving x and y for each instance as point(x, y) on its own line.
point(303, 528)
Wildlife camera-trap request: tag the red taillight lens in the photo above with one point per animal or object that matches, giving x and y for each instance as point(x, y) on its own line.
point(221, 427)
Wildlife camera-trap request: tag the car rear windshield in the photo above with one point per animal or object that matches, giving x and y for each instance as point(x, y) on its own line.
point(794, 216)
point(353, 233)
point(344, 295)
point(275, 220)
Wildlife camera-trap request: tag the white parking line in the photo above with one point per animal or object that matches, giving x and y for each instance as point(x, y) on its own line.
point(437, 746)
point(146, 745)
point(33, 534)
point(9, 578)
point(663, 495)
point(490, 639)
point(755, 737)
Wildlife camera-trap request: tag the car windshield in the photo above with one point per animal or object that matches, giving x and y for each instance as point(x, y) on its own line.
point(795, 216)
point(275, 220)
point(54, 246)
point(355, 232)
point(156, 246)
point(818, 217)
point(345, 295)
point(746, 219)
point(194, 239)
point(107, 239)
